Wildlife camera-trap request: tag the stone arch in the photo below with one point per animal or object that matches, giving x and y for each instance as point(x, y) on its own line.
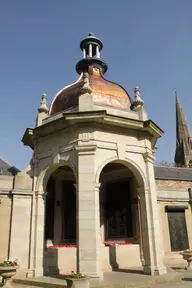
point(130, 164)
point(48, 171)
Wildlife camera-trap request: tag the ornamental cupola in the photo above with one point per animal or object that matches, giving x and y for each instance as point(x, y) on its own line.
point(100, 91)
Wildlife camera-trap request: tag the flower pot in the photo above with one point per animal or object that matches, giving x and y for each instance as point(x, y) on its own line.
point(7, 272)
point(188, 257)
point(78, 282)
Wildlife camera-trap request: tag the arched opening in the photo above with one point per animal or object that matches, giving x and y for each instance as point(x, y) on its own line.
point(60, 208)
point(119, 217)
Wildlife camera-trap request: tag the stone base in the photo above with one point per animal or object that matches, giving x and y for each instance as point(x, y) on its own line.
point(155, 271)
point(95, 276)
point(38, 272)
point(30, 273)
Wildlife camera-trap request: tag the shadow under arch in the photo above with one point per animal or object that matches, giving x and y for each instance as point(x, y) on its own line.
point(129, 214)
point(130, 164)
point(49, 170)
point(58, 184)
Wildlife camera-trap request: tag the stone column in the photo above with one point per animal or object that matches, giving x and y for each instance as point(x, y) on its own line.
point(140, 230)
point(102, 216)
point(84, 53)
point(97, 52)
point(39, 233)
point(90, 50)
point(152, 240)
point(88, 220)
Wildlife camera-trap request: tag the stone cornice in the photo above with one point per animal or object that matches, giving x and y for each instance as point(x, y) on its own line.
point(71, 119)
point(21, 192)
point(28, 138)
point(170, 199)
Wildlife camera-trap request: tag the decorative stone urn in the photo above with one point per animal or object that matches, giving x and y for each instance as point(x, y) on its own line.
point(7, 273)
point(187, 255)
point(78, 282)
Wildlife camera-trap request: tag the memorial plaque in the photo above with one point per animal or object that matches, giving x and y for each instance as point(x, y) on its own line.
point(178, 230)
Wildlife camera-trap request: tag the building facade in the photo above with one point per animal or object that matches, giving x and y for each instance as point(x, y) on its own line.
point(91, 200)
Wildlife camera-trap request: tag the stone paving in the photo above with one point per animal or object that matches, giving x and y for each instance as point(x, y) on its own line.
point(180, 284)
point(122, 280)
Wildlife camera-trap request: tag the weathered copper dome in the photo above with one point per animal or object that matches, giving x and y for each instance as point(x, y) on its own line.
point(104, 92)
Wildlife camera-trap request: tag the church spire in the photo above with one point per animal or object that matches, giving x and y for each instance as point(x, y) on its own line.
point(183, 153)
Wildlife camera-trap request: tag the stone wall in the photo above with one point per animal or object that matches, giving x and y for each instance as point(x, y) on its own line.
point(173, 193)
point(15, 217)
point(173, 184)
point(6, 184)
point(63, 260)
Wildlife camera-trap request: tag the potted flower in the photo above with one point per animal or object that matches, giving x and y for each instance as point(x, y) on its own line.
point(187, 255)
point(8, 269)
point(79, 280)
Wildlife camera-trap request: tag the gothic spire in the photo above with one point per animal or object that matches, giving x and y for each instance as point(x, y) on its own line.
point(183, 153)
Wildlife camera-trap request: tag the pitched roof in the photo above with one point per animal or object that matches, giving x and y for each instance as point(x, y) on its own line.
point(173, 173)
point(7, 169)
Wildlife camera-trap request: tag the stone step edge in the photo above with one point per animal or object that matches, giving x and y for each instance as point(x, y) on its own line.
point(158, 280)
point(37, 283)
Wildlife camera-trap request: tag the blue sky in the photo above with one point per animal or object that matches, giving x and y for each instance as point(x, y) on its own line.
point(146, 43)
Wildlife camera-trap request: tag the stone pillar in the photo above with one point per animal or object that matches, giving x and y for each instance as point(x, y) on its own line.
point(90, 50)
point(152, 238)
point(30, 272)
point(140, 230)
point(102, 216)
point(97, 52)
point(88, 218)
point(39, 233)
point(84, 53)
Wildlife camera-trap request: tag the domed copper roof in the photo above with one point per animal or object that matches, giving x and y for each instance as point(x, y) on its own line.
point(104, 92)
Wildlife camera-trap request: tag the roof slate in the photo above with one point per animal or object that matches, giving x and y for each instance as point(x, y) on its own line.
point(173, 173)
point(7, 169)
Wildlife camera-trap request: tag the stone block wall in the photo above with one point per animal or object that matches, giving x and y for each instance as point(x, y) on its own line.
point(173, 193)
point(63, 260)
point(6, 184)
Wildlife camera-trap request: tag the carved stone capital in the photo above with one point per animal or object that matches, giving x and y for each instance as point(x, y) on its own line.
point(40, 194)
point(86, 149)
point(148, 157)
point(97, 186)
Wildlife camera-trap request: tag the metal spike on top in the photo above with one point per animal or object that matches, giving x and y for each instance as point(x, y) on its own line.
point(43, 108)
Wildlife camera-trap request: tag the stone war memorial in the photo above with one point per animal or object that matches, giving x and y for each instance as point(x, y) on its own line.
point(91, 199)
